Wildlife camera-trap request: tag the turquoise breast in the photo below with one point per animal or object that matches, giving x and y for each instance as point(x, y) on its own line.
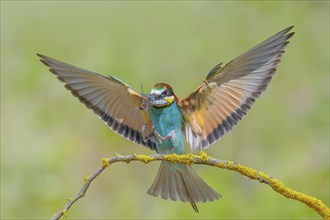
point(165, 120)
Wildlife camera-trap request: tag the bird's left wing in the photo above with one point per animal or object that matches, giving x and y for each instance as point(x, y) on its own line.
point(114, 101)
point(228, 93)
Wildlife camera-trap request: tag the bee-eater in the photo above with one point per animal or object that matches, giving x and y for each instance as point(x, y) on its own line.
point(161, 122)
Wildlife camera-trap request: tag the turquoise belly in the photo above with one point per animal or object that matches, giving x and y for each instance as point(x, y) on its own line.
point(164, 121)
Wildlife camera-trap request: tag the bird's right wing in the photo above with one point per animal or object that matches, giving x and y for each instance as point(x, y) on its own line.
point(114, 101)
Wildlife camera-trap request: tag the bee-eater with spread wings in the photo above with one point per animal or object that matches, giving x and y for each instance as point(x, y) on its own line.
point(161, 122)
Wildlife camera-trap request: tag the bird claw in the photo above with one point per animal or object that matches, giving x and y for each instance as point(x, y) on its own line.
point(155, 134)
point(161, 138)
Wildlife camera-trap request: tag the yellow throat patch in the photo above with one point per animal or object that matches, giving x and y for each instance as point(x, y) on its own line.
point(169, 99)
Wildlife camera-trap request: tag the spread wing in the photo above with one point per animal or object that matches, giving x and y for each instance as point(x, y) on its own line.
point(227, 93)
point(115, 102)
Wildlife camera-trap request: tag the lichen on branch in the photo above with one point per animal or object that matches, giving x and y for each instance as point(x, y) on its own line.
point(201, 158)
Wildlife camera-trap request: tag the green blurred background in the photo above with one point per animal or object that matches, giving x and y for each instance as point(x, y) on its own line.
point(50, 142)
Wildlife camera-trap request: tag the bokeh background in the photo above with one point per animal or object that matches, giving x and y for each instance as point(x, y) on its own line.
point(50, 142)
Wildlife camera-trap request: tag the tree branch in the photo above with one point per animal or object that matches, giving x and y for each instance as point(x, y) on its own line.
point(202, 158)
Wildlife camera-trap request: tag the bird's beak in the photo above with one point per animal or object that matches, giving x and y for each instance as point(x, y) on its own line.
point(156, 101)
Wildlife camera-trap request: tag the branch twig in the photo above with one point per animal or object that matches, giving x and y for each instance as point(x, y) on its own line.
point(202, 158)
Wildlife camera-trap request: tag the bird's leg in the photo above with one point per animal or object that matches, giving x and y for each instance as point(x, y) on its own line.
point(145, 138)
point(167, 137)
point(154, 133)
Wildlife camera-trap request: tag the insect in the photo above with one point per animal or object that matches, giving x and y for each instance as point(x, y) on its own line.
point(161, 122)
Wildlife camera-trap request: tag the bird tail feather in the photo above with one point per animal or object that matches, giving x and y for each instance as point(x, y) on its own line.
point(179, 181)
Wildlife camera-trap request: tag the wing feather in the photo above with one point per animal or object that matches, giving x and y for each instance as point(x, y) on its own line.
point(115, 102)
point(227, 94)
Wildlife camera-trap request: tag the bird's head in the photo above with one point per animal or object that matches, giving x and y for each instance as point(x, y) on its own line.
point(162, 95)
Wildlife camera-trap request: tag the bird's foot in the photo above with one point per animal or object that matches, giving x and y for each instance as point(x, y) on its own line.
point(155, 134)
point(161, 138)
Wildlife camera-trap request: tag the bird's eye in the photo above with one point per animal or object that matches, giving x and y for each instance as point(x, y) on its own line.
point(166, 93)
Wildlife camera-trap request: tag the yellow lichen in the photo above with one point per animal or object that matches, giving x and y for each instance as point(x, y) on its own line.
point(277, 186)
point(263, 175)
point(312, 202)
point(105, 162)
point(87, 178)
point(247, 171)
point(227, 165)
point(64, 211)
point(203, 155)
point(70, 199)
point(184, 158)
point(116, 154)
point(144, 158)
point(203, 158)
